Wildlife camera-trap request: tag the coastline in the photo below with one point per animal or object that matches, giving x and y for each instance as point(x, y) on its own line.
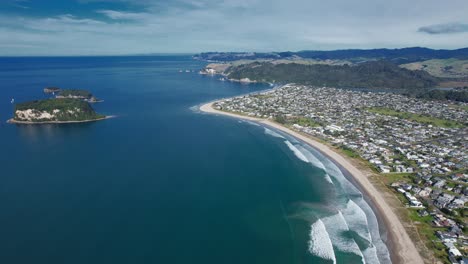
point(12, 121)
point(401, 247)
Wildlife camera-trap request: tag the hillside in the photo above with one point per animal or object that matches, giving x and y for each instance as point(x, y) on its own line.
point(444, 68)
point(398, 56)
point(372, 75)
point(55, 110)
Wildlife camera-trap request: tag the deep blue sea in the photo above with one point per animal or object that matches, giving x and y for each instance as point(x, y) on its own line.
point(162, 182)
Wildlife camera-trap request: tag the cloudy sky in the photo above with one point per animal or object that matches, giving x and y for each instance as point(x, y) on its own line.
point(105, 27)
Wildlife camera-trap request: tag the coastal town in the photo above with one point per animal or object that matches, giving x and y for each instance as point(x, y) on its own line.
point(418, 147)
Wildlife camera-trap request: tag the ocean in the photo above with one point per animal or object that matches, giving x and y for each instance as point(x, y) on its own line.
point(163, 182)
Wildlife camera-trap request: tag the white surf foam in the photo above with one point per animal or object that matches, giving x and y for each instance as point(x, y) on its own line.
point(296, 151)
point(358, 215)
point(370, 254)
point(336, 227)
point(328, 178)
point(335, 172)
point(252, 123)
point(311, 158)
point(357, 220)
point(195, 108)
point(272, 133)
point(320, 243)
point(381, 249)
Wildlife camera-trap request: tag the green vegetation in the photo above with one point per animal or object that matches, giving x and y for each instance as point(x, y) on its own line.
point(445, 68)
point(416, 117)
point(61, 109)
point(398, 56)
point(280, 119)
point(398, 177)
point(51, 89)
point(372, 75)
point(304, 121)
point(349, 152)
point(459, 94)
point(75, 93)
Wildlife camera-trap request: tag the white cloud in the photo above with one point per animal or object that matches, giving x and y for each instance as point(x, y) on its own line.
point(120, 15)
point(252, 25)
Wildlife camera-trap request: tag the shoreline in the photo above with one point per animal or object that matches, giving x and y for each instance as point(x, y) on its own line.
point(12, 121)
point(400, 246)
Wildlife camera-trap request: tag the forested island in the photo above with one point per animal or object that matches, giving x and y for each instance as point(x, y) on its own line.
point(56, 110)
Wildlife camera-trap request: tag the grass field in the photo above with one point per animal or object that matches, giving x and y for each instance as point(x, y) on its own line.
point(446, 68)
point(416, 117)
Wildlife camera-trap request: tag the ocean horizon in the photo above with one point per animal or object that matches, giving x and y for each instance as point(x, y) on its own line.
point(163, 182)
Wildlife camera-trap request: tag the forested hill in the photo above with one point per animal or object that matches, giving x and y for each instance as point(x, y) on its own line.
point(372, 75)
point(398, 56)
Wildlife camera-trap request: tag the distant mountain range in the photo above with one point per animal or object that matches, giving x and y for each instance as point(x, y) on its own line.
point(397, 56)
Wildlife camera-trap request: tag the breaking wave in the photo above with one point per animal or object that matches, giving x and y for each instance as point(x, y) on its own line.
point(320, 243)
point(357, 220)
point(296, 151)
point(252, 123)
point(337, 226)
point(354, 228)
point(272, 133)
point(311, 158)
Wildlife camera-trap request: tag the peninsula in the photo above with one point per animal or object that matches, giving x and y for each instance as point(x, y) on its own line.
point(407, 154)
point(58, 110)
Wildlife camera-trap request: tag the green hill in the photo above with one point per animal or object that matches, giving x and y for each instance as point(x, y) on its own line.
point(372, 75)
point(445, 68)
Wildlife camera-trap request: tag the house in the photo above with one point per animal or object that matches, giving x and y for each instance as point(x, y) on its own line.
point(443, 200)
point(439, 184)
point(425, 192)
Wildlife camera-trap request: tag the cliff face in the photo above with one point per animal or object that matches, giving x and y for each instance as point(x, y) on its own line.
point(33, 115)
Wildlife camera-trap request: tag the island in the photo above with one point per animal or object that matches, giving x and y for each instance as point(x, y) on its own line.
point(55, 110)
point(78, 94)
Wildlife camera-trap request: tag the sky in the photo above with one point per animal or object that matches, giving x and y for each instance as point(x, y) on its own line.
point(120, 27)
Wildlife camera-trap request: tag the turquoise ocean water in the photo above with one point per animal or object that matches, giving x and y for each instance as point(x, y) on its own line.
point(162, 182)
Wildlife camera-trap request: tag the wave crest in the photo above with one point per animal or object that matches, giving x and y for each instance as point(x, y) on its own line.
point(320, 243)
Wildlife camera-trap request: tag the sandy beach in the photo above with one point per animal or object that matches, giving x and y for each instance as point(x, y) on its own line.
point(401, 247)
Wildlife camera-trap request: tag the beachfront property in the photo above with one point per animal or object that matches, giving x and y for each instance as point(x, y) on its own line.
point(416, 142)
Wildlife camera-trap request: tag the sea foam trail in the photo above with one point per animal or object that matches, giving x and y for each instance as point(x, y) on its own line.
point(320, 243)
point(336, 227)
point(296, 151)
point(272, 133)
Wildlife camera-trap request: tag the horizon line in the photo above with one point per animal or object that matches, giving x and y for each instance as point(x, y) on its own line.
point(232, 51)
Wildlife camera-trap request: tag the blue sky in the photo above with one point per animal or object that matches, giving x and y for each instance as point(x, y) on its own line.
point(108, 27)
